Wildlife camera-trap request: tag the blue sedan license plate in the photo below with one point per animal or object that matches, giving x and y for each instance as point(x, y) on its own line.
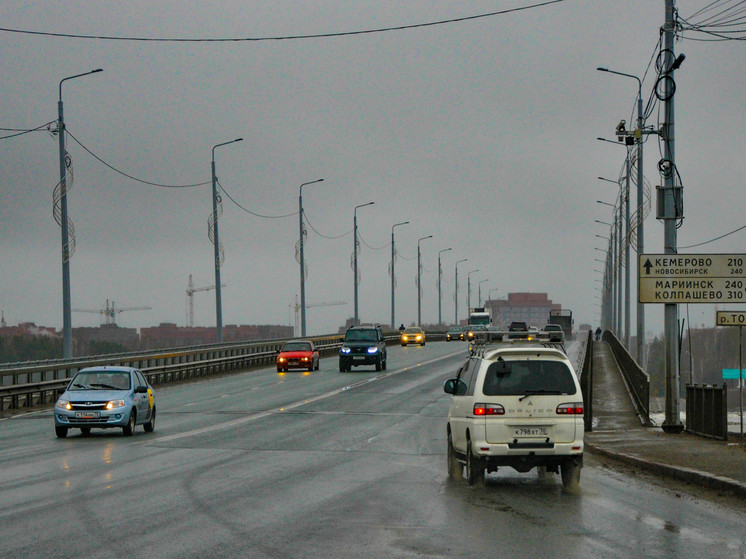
point(87, 414)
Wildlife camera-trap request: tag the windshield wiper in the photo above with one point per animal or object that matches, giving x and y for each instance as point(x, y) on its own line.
point(83, 386)
point(535, 392)
point(109, 386)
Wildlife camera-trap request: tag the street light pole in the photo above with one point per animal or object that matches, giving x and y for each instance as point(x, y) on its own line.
point(419, 280)
point(302, 262)
point(356, 319)
point(393, 277)
point(468, 290)
point(440, 277)
point(479, 291)
point(216, 244)
point(619, 237)
point(672, 204)
point(455, 295)
point(640, 203)
point(67, 330)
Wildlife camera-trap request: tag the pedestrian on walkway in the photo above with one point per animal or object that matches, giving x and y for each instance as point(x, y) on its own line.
point(598, 334)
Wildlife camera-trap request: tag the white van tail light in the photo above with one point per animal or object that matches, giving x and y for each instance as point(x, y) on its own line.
point(576, 408)
point(488, 409)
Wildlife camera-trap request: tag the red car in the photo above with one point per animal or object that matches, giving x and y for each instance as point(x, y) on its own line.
point(299, 354)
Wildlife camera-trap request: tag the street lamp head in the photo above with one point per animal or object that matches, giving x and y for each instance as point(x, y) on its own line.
point(602, 69)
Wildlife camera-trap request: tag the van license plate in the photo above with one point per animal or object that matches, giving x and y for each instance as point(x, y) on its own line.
point(531, 432)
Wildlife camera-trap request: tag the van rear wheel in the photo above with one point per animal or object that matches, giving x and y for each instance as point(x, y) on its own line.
point(455, 469)
point(570, 471)
point(474, 466)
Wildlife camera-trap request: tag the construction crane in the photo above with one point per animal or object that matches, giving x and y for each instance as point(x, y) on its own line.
point(191, 290)
point(110, 311)
point(311, 305)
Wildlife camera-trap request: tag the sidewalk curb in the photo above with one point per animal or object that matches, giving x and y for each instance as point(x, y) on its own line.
point(685, 474)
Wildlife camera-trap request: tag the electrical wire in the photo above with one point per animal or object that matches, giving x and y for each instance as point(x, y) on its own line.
point(67, 130)
point(248, 211)
point(22, 131)
point(322, 235)
point(359, 236)
point(283, 37)
point(716, 238)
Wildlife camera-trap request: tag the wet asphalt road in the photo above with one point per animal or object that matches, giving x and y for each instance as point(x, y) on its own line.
point(323, 464)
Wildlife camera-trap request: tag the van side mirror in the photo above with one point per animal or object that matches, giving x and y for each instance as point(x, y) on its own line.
point(455, 387)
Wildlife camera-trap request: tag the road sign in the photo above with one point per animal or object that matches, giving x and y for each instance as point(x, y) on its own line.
point(730, 318)
point(733, 373)
point(691, 278)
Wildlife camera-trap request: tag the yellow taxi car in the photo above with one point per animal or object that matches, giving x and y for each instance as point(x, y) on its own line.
point(413, 335)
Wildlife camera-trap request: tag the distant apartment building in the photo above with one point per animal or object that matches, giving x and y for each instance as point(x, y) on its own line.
point(531, 308)
point(28, 330)
point(169, 335)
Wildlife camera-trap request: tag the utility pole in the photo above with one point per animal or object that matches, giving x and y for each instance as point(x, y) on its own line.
point(301, 260)
point(671, 205)
point(393, 277)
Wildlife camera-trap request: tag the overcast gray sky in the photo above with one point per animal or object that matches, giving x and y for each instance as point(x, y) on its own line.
point(481, 133)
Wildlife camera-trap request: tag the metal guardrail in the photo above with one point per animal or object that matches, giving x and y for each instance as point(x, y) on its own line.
point(586, 382)
point(41, 383)
point(637, 380)
point(707, 410)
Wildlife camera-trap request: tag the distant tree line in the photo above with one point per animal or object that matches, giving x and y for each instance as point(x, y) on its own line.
point(711, 350)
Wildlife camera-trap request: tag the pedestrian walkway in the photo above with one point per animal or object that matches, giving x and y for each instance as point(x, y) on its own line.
point(618, 432)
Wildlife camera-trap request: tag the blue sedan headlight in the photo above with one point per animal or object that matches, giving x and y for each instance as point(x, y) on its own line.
point(345, 350)
point(372, 350)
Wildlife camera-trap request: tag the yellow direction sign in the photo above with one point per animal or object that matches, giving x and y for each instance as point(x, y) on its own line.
point(730, 318)
point(691, 278)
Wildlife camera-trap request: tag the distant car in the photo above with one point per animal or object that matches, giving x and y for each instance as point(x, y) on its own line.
point(455, 333)
point(106, 397)
point(517, 326)
point(298, 354)
point(472, 330)
point(363, 345)
point(412, 335)
point(554, 332)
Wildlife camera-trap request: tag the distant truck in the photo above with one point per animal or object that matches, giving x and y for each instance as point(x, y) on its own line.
point(480, 315)
point(563, 318)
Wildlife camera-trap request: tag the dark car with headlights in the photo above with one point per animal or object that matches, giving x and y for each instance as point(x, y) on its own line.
point(104, 398)
point(455, 333)
point(363, 345)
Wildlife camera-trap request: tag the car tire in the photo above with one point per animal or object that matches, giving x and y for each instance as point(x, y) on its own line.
point(150, 425)
point(455, 469)
point(404, 345)
point(385, 364)
point(474, 466)
point(570, 471)
point(85, 431)
point(61, 432)
point(379, 364)
point(129, 429)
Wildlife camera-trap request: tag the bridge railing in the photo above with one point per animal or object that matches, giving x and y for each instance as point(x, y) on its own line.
point(41, 383)
point(27, 385)
point(637, 380)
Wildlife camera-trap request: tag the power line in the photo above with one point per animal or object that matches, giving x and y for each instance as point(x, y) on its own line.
point(130, 176)
point(249, 211)
point(716, 238)
point(281, 37)
point(322, 235)
point(22, 131)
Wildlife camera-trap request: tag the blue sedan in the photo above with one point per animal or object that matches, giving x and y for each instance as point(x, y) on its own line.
point(106, 397)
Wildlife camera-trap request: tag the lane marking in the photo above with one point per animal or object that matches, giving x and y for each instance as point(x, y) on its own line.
point(294, 405)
